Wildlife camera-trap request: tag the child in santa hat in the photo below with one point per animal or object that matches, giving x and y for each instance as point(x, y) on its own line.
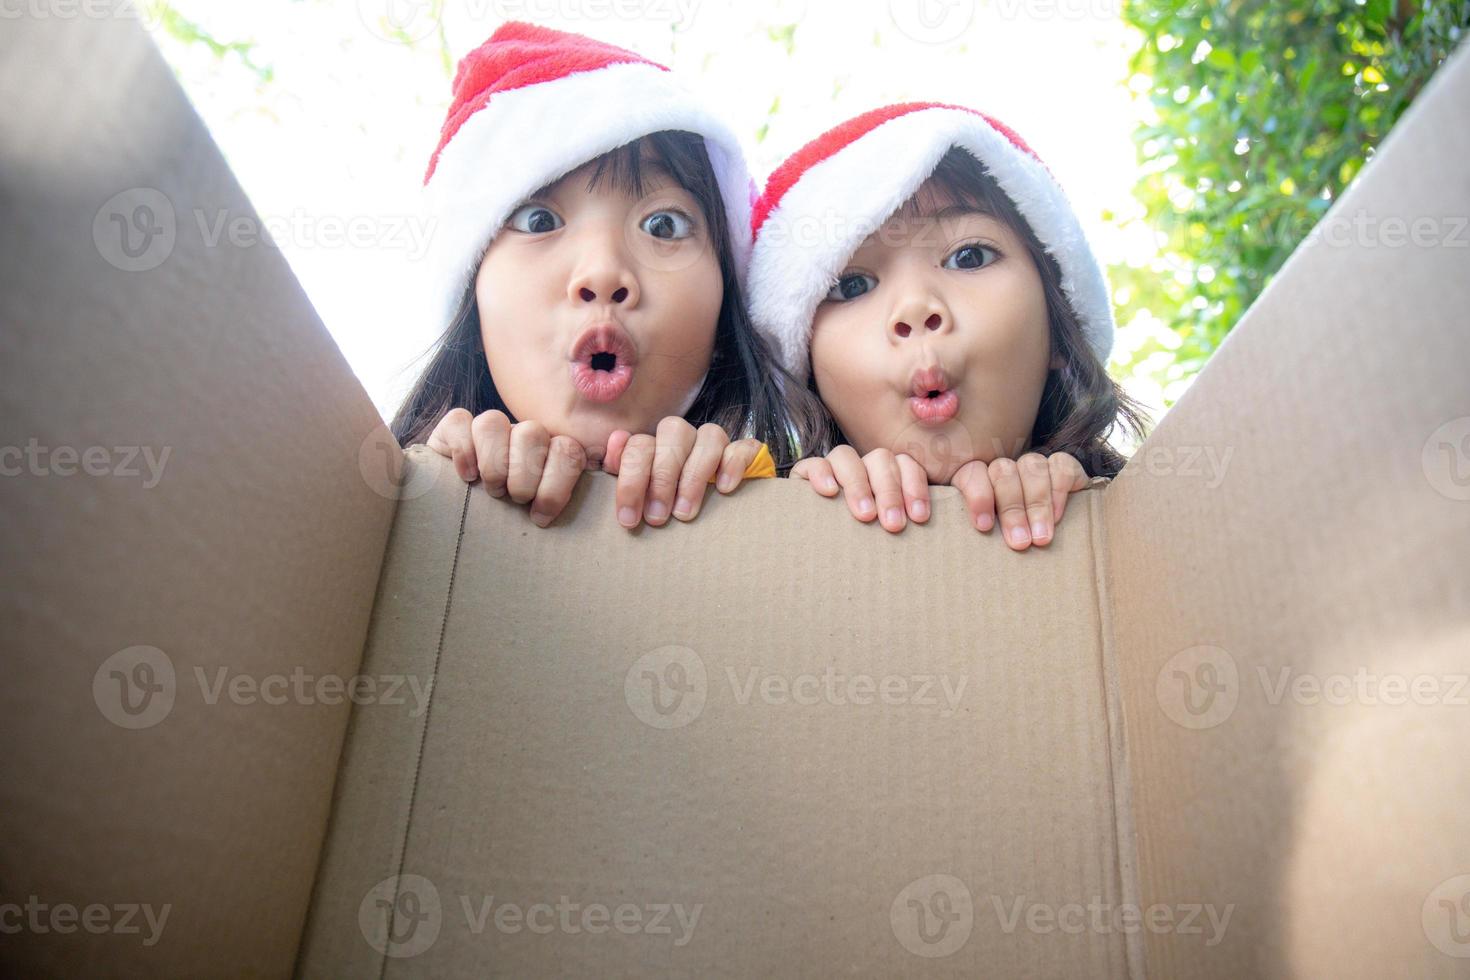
point(920, 270)
point(591, 230)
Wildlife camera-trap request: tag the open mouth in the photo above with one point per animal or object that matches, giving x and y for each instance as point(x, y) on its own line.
point(602, 362)
point(933, 401)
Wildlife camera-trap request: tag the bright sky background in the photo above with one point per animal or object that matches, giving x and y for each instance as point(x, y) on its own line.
point(335, 146)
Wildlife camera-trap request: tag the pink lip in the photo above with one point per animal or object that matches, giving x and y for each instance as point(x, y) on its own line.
point(603, 359)
point(935, 409)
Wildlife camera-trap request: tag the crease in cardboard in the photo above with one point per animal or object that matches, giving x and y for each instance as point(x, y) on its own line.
point(1119, 777)
point(418, 767)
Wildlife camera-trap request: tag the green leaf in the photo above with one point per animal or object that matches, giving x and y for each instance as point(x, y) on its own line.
point(1220, 58)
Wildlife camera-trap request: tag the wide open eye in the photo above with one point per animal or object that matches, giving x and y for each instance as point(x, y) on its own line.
point(534, 219)
point(668, 225)
point(970, 257)
point(852, 285)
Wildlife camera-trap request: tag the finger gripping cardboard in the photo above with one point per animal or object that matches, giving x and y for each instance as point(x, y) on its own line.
point(291, 701)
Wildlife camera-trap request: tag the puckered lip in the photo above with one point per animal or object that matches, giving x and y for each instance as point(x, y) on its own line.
point(932, 402)
point(928, 379)
point(605, 337)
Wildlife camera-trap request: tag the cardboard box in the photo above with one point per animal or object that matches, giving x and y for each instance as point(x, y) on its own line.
point(1217, 729)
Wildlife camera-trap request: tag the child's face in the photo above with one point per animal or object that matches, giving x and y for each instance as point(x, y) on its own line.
point(598, 307)
point(942, 299)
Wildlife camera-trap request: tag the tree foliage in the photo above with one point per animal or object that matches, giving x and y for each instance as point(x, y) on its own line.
point(1265, 113)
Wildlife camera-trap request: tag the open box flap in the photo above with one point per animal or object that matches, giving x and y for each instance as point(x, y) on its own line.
point(251, 548)
point(1287, 548)
point(798, 727)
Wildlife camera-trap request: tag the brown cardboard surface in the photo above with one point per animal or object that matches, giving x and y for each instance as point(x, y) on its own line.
point(1331, 544)
point(546, 774)
point(380, 763)
point(625, 729)
point(253, 547)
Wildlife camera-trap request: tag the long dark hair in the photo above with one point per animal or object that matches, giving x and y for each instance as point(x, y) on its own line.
point(1082, 407)
point(744, 392)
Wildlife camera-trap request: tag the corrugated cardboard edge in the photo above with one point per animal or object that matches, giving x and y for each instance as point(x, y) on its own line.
point(401, 854)
point(376, 729)
point(1121, 777)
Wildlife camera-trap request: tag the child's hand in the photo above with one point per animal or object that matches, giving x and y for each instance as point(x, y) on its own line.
point(522, 460)
point(879, 484)
point(672, 469)
point(1032, 491)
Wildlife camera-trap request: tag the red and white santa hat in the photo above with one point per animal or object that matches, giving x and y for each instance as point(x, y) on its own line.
point(838, 189)
point(533, 104)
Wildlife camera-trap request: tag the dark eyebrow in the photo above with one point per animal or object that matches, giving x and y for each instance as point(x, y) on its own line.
point(652, 165)
point(961, 211)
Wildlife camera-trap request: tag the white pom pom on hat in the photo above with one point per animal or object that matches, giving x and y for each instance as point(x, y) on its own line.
point(530, 106)
point(830, 195)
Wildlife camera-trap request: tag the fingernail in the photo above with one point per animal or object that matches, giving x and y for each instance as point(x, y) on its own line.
point(1018, 534)
point(865, 506)
point(921, 510)
point(657, 510)
point(985, 522)
point(682, 507)
point(1038, 530)
point(540, 520)
point(893, 516)
point(628, 517)
point(726, 481)
point(830, 483)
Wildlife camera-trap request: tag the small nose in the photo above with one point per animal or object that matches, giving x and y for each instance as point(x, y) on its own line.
point(933, 321)
point(589, 295)
point(606, 279)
